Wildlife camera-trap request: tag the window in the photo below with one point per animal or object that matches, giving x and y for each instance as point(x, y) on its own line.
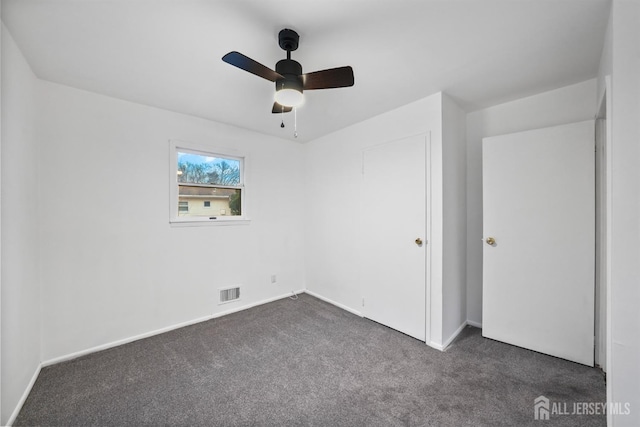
point(206, 186)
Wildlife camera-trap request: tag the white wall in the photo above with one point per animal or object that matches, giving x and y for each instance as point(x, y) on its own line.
point(605, 67)
point(454, 298)
point(561, 106)
point(21, 311)
point(112, 266)
point(621, 59)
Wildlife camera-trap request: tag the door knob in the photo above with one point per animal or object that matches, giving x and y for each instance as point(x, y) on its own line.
point(490, 241)
point(419, 241)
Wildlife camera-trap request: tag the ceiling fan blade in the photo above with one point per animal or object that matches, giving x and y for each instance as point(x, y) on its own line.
point(328, 79)
point(245, 63)
point(277, 108)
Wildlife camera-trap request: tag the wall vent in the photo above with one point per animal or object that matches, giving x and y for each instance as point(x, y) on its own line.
point(229, 295)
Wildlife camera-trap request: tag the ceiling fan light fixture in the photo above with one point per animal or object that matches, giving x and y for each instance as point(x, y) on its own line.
point(289, 97)
point(289, 93)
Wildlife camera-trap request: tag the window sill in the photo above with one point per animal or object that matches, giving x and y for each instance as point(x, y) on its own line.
point(207, 222)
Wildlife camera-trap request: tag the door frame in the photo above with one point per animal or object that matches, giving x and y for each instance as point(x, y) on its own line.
point(601, 266)
point(603, 310)
point(603, 336)
point(428, 236)
point(428, 240)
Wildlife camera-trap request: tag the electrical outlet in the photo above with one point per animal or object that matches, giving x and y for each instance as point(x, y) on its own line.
point(274, 279)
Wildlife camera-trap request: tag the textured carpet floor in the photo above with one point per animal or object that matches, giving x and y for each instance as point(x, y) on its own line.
point(305, 362)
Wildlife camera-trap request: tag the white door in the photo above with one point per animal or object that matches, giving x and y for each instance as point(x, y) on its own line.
point(393, 224)
point(539, 207)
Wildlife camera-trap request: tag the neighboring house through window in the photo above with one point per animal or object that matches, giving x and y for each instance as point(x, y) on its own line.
point(207, 185)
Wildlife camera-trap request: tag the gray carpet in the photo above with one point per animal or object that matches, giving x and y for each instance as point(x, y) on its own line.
point(307, 363)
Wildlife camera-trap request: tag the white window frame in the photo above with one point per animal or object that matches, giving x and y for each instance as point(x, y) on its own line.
point(176, 146)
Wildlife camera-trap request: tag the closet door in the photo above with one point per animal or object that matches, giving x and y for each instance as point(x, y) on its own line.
point(393, 224)
point(539, 225)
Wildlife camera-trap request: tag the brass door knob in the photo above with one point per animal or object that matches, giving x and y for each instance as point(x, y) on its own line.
point(490, 241)
point(419, 241)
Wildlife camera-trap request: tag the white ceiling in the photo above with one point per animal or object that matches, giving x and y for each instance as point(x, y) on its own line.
point(166, 53)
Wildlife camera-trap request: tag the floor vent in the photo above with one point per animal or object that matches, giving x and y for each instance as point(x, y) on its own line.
point(229, 295)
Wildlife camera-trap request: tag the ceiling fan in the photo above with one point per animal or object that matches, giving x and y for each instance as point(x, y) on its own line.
point(288, 77)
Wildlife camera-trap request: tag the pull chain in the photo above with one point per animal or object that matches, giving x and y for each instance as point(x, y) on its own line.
point(295, 121)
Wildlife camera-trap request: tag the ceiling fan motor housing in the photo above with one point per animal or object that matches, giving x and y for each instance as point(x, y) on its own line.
point(291, 71)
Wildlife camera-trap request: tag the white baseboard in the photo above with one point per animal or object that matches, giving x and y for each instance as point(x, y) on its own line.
point(443, 346)
point(454, 335)
point(337, 304)
point(474, 324)
point(16, 411)
point(435, 345)
point(127, 340)
point(112, 344)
